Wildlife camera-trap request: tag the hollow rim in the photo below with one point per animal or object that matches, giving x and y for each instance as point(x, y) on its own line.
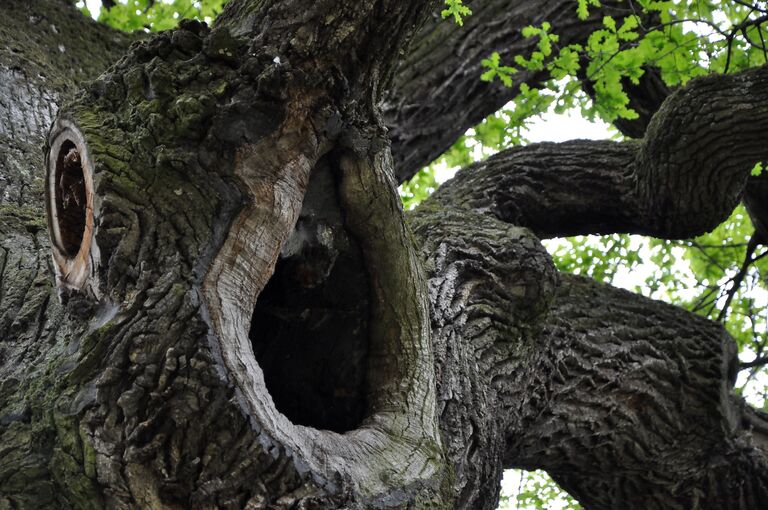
point(399, 439)
point(73, 269)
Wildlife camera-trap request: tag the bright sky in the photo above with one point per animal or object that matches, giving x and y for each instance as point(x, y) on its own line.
point(93, 6)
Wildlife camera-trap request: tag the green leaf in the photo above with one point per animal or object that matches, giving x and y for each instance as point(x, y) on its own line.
point(530, 31)
point(456, 9)
point(609, 23)
point(421, 185)
point(582, 11)
point(494, 69)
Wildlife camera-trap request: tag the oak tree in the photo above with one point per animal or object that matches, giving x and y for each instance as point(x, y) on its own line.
point(211, 297)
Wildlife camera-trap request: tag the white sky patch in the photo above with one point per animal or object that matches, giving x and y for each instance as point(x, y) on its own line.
point(93, 7)
point(552, 127)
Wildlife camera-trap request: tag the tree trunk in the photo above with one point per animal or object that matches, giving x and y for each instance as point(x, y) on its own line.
point(48, 48)
point(226, 308)
point(174, 182)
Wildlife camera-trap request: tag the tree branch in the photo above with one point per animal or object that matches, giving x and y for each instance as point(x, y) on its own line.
point(438, 94)
point(639, 415)
point(756, 203)
point(683, 179)
point(739, 278)
point(627, 402)
point(757, 362)
point(490, 283)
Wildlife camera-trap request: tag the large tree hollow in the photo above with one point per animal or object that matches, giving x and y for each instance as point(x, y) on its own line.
point(70, 199)
point(309, 328)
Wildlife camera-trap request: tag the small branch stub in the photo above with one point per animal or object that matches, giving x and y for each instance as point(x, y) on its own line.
point(69, 205)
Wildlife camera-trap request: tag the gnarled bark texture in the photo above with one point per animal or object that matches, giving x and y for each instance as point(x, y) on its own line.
point(683, 179)
point(236, 314)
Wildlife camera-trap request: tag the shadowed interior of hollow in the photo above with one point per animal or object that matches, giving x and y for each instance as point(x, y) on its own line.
point(70, 198)
point(309, 328)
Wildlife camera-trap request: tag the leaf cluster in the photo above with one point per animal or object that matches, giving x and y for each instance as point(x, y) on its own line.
point(457, 10)
point(153, 15)
point(682, 40)
point(536, 490)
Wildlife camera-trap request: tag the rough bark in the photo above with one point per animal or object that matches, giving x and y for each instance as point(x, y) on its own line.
point(200, 144)
point(438, 95)
point(625, 378)
point(47, 49)
point(755, 198)
point(609, 380)
point(490, 284)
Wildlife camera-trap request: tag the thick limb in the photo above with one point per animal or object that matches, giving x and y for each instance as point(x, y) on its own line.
point(637, 409)
point(616, 393)
point(437, 93)
point(626, 401)
point(683, 179)
point(489, 285)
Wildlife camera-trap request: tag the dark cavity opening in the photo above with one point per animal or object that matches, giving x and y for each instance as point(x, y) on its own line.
point(309, 329)
point(70, 199)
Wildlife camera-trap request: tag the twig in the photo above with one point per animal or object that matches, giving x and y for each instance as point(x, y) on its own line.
point(757, 362)
point(762, 40)
point(748, 260)
point(755, 7)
